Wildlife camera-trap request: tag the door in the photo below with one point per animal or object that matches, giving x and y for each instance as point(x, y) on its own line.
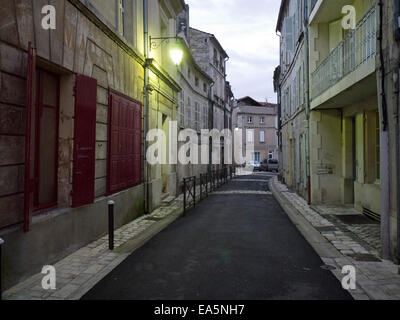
point(84, 141)
point(46, 140)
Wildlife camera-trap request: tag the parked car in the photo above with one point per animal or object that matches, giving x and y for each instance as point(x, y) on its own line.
point(256, 165)
point(271, 165)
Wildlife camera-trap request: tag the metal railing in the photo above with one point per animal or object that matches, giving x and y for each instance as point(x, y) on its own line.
point(358, 46)
point(189, 193)
point(203, 186)
point(209, 182)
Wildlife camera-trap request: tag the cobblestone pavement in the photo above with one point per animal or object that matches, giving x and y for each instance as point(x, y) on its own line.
point(378, 279)
point(364, 229)
point(80, 271)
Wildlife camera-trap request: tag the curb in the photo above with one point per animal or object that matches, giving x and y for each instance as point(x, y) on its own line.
point(321, 245)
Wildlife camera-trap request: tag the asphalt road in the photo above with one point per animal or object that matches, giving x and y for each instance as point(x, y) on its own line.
point(235, 247)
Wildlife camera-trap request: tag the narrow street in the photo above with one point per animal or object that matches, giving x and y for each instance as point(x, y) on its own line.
point(231, 246)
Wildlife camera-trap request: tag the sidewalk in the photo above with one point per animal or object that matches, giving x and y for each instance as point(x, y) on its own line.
point(376, 279)
point(82, 270)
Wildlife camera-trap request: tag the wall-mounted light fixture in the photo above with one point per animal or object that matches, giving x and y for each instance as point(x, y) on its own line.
point(176, 52)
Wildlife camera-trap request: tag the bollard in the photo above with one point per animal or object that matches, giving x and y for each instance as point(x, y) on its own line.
point(111, 225)
point(1, 288)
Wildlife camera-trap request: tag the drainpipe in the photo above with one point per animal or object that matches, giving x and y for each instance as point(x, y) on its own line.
point(397, 163)
point(397, 129)
point(146, 103)
point(212, 124)
point(307, 67)
point(385, 149)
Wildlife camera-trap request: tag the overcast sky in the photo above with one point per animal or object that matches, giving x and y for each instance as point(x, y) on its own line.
point(246, 30)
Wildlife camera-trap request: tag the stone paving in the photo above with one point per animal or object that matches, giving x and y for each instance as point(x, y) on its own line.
point(376, 279)
point(367, 231)
point(82, 270)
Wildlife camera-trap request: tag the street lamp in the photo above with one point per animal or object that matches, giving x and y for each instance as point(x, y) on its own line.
point(176, 51)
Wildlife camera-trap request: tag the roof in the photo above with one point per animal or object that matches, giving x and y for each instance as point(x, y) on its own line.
point(251, 101)
point(280, 17)
point(267, 110)
point(213, 38)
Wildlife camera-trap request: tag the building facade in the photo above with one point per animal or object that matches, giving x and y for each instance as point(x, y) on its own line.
point(291, 83)
point(350, 108)
point(258, 123)
point(211, 57)
point(73, 116)
point(194, 99)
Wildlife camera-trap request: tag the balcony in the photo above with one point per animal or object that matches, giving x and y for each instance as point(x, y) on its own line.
point(356, 49)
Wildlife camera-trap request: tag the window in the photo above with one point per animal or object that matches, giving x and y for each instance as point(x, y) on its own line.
point(205, 87)
point(270, 155)
point(124, 144)
point(256, 157)
point(197, 115)
point(262, 120)
point(189, 113)
point(250, 136)
point(46, 140)
point(197, 82)
point(250, 120)
point(121, 16)
point(181, 109)
point(262, 136)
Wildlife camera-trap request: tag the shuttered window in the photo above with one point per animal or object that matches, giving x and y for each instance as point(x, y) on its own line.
point(125, 143)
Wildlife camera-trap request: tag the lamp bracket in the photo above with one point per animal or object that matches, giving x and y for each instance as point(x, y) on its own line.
point(155, 45)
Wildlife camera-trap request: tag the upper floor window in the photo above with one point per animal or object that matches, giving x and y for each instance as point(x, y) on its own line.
point(262, 136)
point(262, 120)
point(204, 87)
point(197, 81)
point(121, 16)
point(250, 136)
point(249, 119)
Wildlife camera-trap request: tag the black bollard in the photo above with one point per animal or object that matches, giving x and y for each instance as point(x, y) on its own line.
point(1, 288)
point(111, 225)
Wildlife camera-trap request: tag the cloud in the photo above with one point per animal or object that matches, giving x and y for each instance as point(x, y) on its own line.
point(246, 30)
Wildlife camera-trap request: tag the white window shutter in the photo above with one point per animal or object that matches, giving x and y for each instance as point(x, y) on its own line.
point(289, 36)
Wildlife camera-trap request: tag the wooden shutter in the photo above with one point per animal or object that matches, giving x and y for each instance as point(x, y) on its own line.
point(84, 141)
point(289, 33)
point(124, 143)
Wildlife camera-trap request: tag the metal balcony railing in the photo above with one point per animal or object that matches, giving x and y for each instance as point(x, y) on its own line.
point(358, 46)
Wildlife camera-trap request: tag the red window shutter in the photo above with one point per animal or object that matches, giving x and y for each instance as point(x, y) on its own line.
point(125, 141)
point(84, 141)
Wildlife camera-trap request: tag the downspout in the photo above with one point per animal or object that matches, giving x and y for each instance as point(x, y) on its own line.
point(225, 112)
point(279, 90)
point(146, 104)
point(397, 131)
point(385, 150)
point(397, 163)
point(307, 67)
point(212, 125)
